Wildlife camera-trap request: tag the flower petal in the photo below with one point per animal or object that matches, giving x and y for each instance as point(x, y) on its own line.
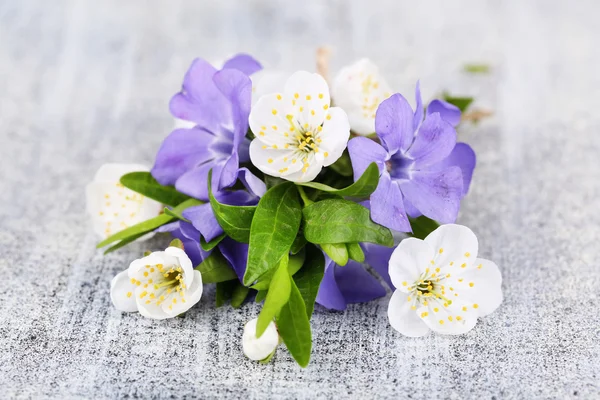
point(184, 262)
point(378, 257)
point(436, 194)
point(121, 293)
point(112, 173)
point(329, 294)
point(359, 89)
point(356, 284)
point(190, 297)
point(408, 261)
point(236, 254)
point(363, 152)
point(454, 244)
point(447, 319)
point(259, 348)
point(480, 285)
point(273, 162)
point(448, 112)
point(418, 116)
point(203, 219)
point(237, 89)
point(434, 141)
point(266, 82)
point(463, 157)
point(269, 123)
point(334, 136)
point(150, 309)
point(403, 318)
point(243, 62)
point(200, 100)
point(387, 207)
point(195, 182)
point(393, 123)
point(308, 96)
point(181, 151)
point(251, 182)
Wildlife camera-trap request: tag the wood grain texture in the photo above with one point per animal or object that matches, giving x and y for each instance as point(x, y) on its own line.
point(83, 83)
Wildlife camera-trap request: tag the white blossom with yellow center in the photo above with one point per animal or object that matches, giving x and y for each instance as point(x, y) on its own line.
point(297, 132)
point(359, 89)
point(161, 285)
point(441, 285)
point(112, 207)
point(259, 348)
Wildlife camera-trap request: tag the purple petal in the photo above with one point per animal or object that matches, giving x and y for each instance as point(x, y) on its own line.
point(200, 100)
point(411, 210)
point(436, 194)
point(357, 284)
point(243, 62)
point(449, 112)
point(244, 150)
point(387, 207)
point(393, 123)
point(254, 185)
point(237, 255)
point(170, 227)
point(237, 89)
point(236, 198)
point(329, 294)
point(181, 151)
point(229, 173)
point(203, 219)
point(189, 237)
point(378, 257)
point(195, 182)
point(463, 157)
point(418, 117)
point(434, 141)
point(364, 151)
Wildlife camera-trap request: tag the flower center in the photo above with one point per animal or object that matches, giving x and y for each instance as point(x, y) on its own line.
point(161, 284)
point(399, 166)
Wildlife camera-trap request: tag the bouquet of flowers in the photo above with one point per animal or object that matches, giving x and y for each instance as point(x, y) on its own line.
point(282, 191)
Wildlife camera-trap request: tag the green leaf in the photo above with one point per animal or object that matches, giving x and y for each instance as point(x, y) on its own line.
point(274, 228)
point(225, 291)
point(294, 264)
point(260, 296)
point(355, 252)
point(362, 188)
point(461, 102)
point(240, 292)
point(174, 214)
point(213, 243)
point(298, 244)
point(145, 184)
point(215, 268)
point(124, 243)
point(422, 226)
point(148, 225)
point(309, 278)
point(342, 221)
point(477, 68)
point(338, 252)
point(343, 165)
point(271, 181)
point(235, 220)
point(294, 327)
point(278, 295)
point(176, 243)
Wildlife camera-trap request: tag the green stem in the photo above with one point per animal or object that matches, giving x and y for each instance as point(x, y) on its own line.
point(305, 199)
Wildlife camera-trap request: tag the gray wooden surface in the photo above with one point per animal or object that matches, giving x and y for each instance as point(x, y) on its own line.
point(87, 82)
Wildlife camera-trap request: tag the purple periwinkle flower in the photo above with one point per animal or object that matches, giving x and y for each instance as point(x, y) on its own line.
point(218, 102)
point(423, 170)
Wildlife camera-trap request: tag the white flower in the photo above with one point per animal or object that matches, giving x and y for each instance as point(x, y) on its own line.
point(441, 284)
point(259, 348)
point(359, 89)
point(297, 133)
point(267, 81)
point(111, 206)
point(161, 285)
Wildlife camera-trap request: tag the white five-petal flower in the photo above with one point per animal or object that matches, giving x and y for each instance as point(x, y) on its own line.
point(259, 348)
point(441, 284)
point(359, 89)
point(111, 206)
point(297, 132)
point(161, 285)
